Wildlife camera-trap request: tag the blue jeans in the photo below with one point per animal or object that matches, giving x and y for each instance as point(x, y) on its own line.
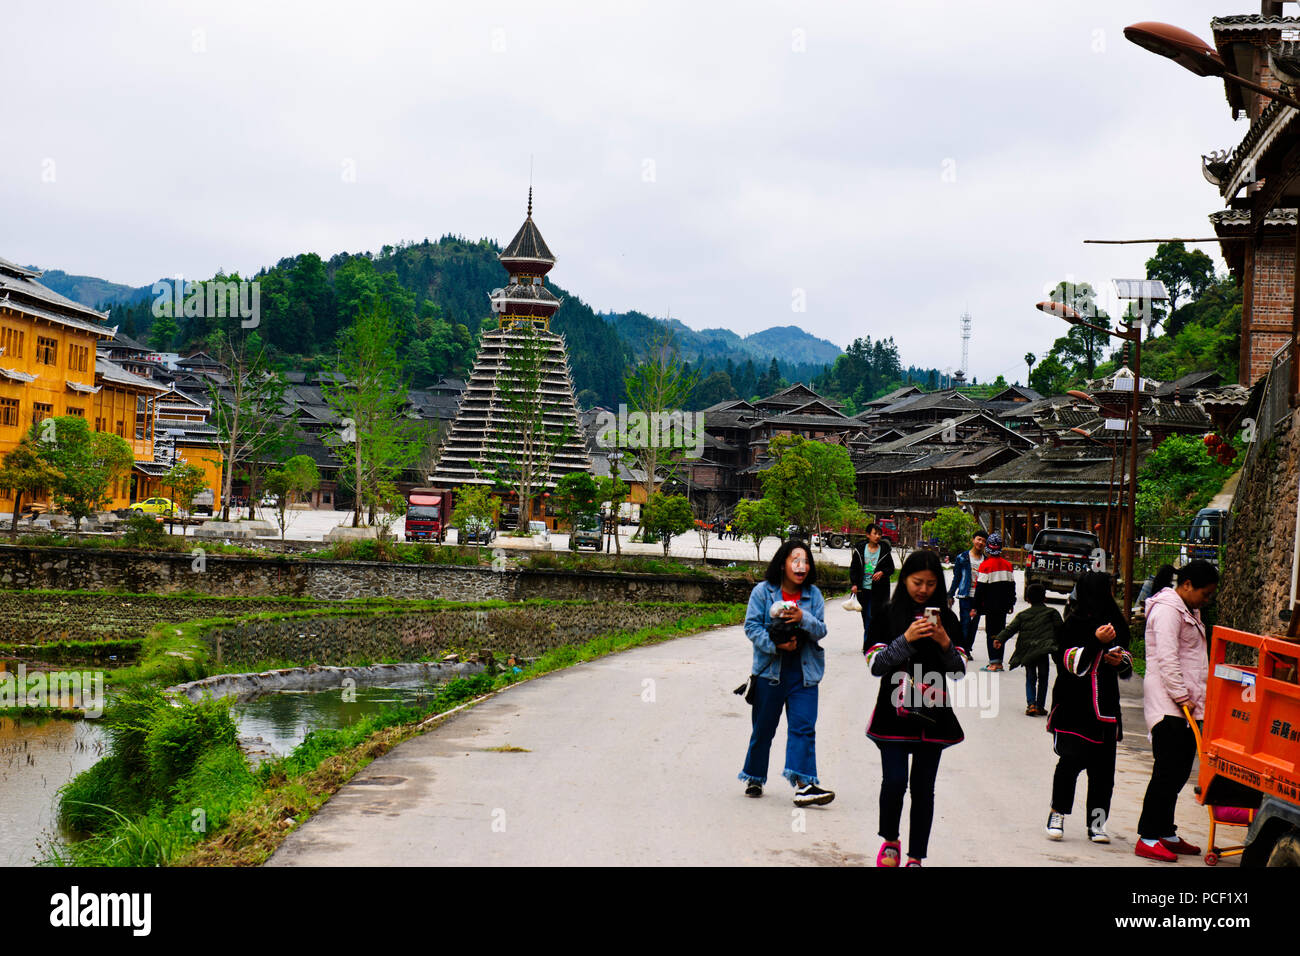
point(969, 625)
point(800, 705)
point(1036, 682)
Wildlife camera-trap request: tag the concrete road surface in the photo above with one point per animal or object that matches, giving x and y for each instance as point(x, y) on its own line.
point(632, 760)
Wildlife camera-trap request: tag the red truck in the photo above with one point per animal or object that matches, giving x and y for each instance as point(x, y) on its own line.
point(428, 514)
point(839, 537)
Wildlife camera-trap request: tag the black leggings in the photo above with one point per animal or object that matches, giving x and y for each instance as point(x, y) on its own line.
point(925, 767)
point(1099, 761)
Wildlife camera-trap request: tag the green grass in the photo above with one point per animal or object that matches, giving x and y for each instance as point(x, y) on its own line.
point(181, 760)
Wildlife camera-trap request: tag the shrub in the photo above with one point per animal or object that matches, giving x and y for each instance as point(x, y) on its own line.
point(143, 531)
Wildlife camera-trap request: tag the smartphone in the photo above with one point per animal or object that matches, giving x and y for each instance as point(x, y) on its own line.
point(931, 614)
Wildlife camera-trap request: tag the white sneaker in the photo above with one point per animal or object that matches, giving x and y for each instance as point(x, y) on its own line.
point(1055, 826)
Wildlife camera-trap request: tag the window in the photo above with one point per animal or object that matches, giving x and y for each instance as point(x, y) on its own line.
point(41, 411)
point(11, 340)
point(121, 428)
point(47, 351)
point(8, 411)
point(77, 358)
point(79, 412)
point(99, 424)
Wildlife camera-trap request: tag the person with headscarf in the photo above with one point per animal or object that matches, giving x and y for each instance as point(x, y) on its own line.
point(995, 596)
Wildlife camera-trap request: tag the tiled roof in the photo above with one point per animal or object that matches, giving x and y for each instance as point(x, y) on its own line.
point(116, 375)
point(527, 245)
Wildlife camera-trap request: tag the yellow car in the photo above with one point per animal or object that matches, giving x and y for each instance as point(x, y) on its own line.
point(154, 506)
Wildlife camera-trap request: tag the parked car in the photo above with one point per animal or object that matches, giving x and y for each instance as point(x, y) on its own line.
point(477, 532)
point(1059, 557)
point(1204, 537)
point(586, 533)
point(539, 530)
point(154, 506)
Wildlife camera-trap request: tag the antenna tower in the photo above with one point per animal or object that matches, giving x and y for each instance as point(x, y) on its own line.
point(965, 342)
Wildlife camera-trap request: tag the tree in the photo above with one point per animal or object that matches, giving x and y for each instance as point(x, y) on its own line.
point(89, 463)
point(183, 481)
point(615, 490)
point(756, 519)
point(1050, 377)
point(25, 471)
point(714, 389)
point(1029, 365)
point(475, 504)
point(1185, 274)
point(163, 333)
point(810, 480)
point(1176, 480)
point(1081, 345)
point(657, 387)
point(525, 446)
point(378, 439)
point(576, 495)
point(666, 516)
point(296, 478)
point(952, 527)
point(246, 411)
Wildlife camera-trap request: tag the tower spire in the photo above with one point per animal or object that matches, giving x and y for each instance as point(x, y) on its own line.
point(530, 202)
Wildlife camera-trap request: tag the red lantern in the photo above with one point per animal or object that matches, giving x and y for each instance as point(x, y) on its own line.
point(1214, 441)
point(1209, 440)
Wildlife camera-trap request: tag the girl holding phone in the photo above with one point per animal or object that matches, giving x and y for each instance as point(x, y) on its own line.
point(915, 649)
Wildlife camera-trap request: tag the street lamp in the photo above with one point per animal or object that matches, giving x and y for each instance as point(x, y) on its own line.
point(1130, 333)
point(1192, 53)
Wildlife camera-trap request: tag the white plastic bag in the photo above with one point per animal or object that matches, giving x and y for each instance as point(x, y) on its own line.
point(852, 603)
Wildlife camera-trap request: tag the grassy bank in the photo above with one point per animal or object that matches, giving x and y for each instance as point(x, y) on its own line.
point(175, 789)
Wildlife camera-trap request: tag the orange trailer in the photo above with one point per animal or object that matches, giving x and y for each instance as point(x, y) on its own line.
point(1250, 746)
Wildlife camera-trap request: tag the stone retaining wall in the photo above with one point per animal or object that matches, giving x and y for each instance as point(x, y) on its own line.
point(23, 567)
point(1256, 582)
point(525, 631)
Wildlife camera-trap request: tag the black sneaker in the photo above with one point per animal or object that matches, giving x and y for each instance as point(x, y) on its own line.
point(811, 795)
point(753, 789)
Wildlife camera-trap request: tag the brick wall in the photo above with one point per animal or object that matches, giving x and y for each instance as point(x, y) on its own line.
point(1270, 313)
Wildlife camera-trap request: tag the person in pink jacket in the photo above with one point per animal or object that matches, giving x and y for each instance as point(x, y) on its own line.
point(1177, 671)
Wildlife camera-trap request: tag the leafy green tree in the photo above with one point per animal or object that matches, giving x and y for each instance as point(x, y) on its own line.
point(953, 529)
point(88, 461)
point(756, 519)
point(657, 386)
point(666, 516)
point(1176, 480)
point(295, 479)
point(163, 333)
point(475, 504)
point(810, 480)
point(377, 438)
point(526, 446)
point(1185, 274)
point(1051, 377)
point(183, 481)
point(25, 471)
point(712, 390)
point(576, 495)
point(247, 412)
point(615, 490)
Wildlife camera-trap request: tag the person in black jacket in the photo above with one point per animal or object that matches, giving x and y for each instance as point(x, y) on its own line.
point(913, 714)
point(1085, 719)
point(874, 556)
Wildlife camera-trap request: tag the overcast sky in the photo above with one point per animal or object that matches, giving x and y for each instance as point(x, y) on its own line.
point(883, 165)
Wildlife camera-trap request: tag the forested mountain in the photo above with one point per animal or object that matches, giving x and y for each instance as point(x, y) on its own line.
point(438, 294)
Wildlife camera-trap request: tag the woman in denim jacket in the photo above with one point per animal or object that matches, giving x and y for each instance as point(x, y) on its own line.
point(788, 664)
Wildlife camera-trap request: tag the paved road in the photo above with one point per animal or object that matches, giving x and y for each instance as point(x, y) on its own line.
point(632, 760)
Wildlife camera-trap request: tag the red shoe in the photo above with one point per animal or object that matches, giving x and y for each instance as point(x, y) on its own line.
point(1179, 845)
point(889, 853)
point(1158, 852)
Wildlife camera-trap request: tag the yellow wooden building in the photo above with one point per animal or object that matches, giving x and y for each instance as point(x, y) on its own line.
point(49, 367)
